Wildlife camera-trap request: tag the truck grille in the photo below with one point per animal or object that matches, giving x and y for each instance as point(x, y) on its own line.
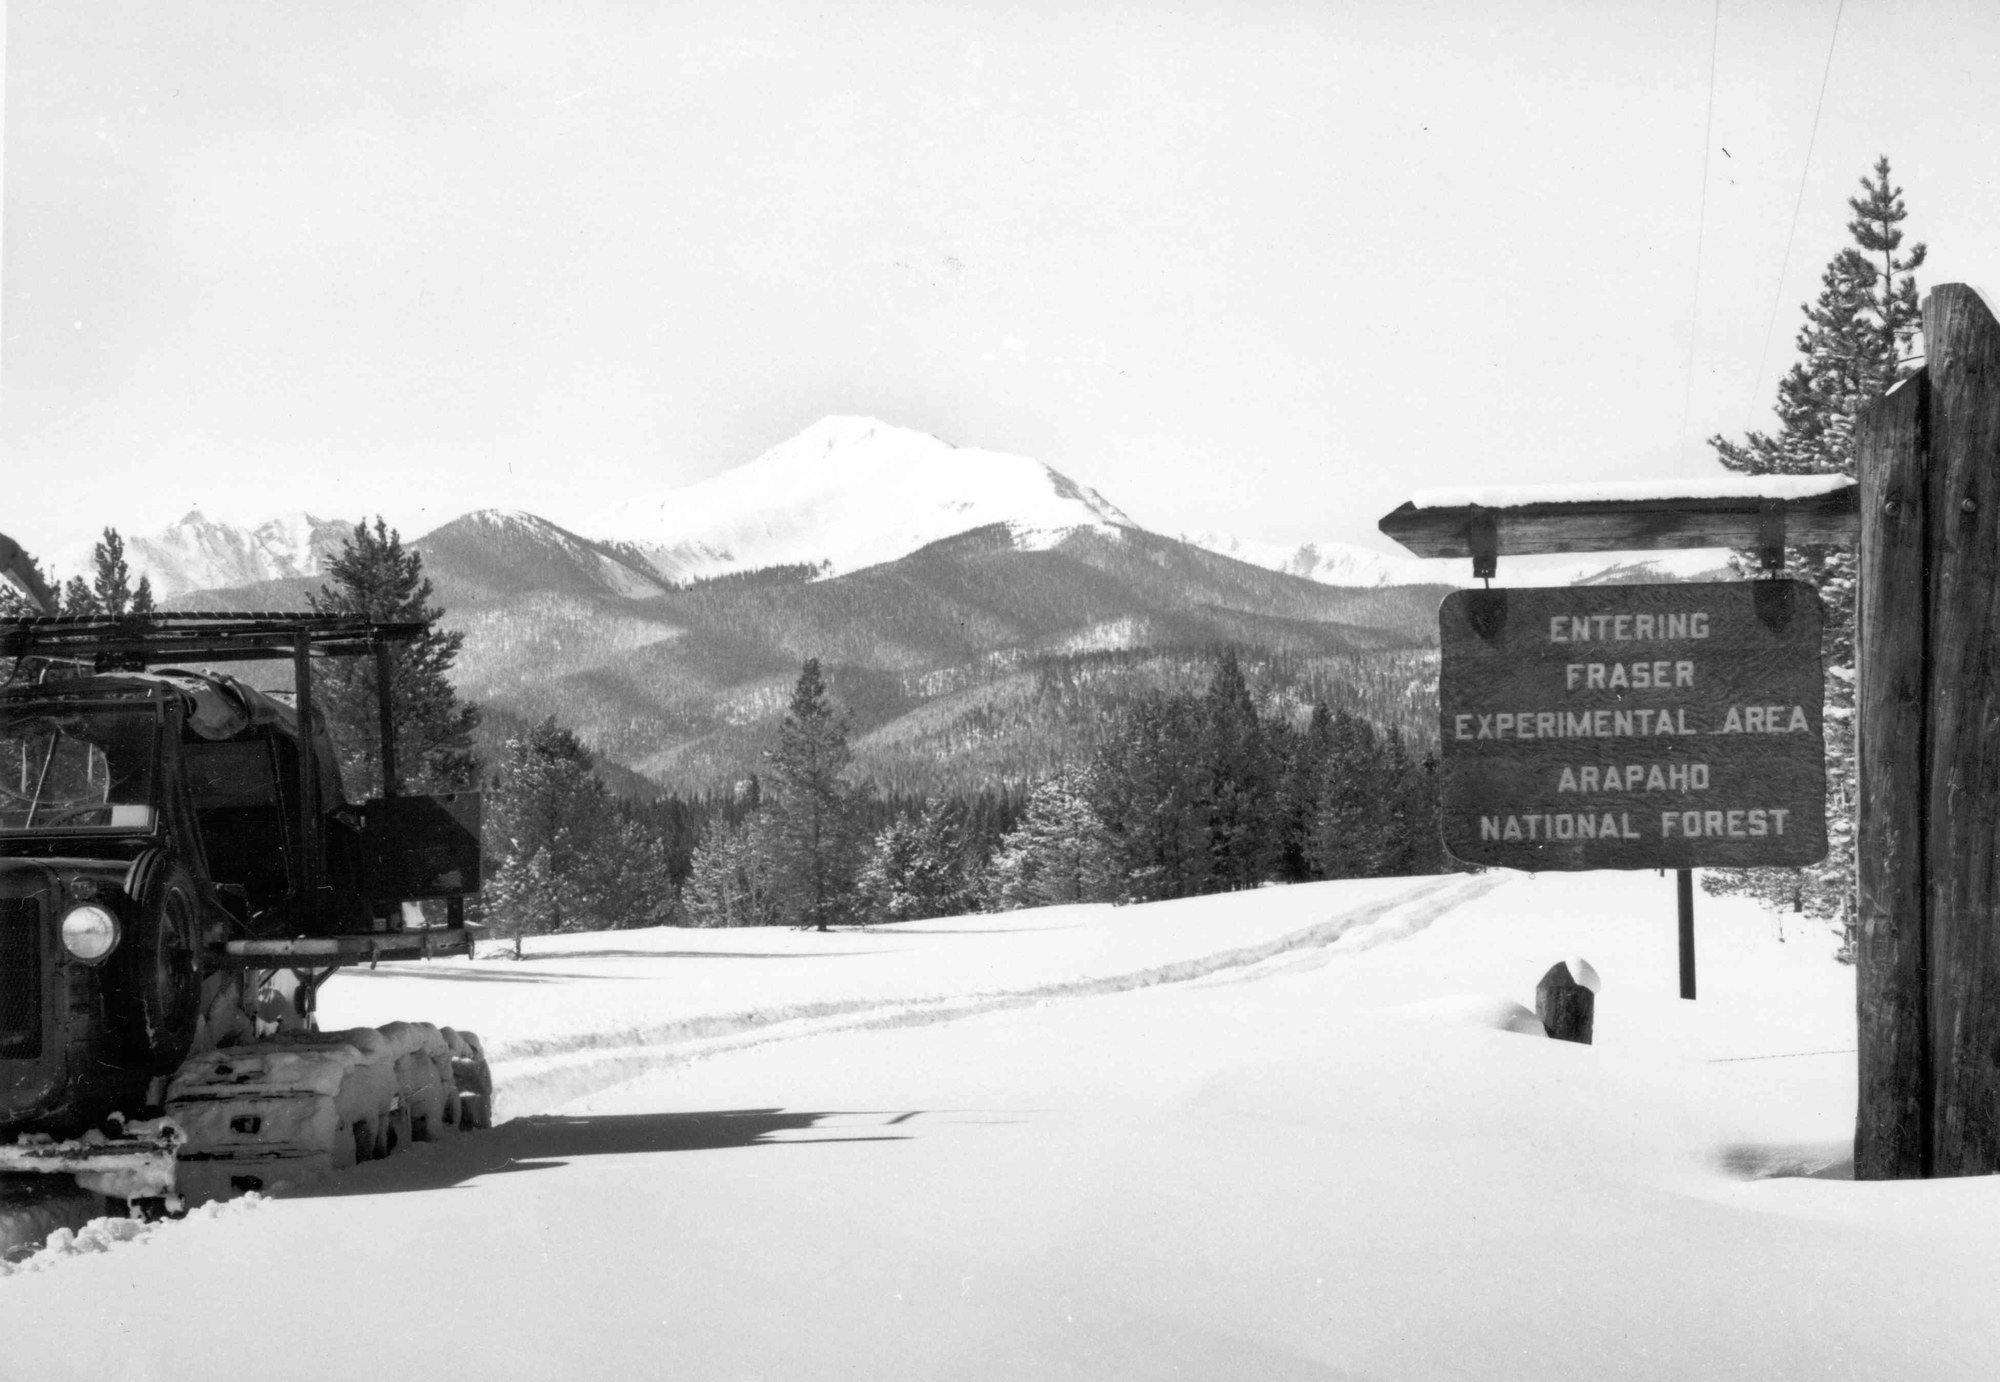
point(20, 979)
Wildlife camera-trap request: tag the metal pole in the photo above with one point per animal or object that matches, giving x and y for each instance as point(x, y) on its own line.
point(1684, 885)
point(308, 869)
point(384, 714)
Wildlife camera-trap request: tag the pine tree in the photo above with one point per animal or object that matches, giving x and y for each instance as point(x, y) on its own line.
point(374, 575)
point(814, 807)
point(1409, 835)
point(914, 868)
point(109, 589)
point(111, 584)
point(733, 879)
point(546, 806)
point(1349, 833)
point(1147, 789)
point(1239, 781)
point(1299, 792)
point(1857, 335)
point(634, 873)
point(523, 898)
point(1876, 229)
point(1058, 854)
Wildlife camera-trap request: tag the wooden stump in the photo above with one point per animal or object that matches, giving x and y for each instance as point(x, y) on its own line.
point(1566, 1007)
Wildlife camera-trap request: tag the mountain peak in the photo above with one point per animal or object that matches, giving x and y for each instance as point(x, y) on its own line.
point(200, 553)
point(849, 492)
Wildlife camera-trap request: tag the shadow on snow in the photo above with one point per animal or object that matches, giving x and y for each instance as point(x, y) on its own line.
point(546, 1141)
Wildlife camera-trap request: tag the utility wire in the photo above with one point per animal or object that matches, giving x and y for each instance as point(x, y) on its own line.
point(1701, 221)
point(1811, 140)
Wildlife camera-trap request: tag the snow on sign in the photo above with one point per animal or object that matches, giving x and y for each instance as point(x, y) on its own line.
point(1631, 727)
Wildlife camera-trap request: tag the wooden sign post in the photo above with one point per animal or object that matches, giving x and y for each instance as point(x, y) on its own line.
point(1928, 949)
point(1927, 510)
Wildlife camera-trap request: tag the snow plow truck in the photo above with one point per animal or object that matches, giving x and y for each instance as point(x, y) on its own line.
point(179, 873)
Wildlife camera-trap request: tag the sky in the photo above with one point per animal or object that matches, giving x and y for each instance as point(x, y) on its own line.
point(1259, 268)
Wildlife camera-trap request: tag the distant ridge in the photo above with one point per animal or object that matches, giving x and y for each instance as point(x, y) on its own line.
point(845, 494)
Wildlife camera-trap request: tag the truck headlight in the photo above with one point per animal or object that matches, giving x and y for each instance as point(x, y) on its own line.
point(89, 932)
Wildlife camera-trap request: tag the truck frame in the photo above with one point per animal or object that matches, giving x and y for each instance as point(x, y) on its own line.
point(179, 874)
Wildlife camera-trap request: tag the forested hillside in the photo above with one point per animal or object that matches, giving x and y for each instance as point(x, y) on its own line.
point(967, 663)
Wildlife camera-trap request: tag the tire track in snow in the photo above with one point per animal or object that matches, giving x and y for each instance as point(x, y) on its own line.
point(1397, 924)
point(532, 1077)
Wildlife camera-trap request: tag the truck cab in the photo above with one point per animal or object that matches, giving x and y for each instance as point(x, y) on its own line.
point(179, 868)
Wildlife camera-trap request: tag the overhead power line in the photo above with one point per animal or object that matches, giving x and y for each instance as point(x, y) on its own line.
point(1756, 384)
point(1701, 220)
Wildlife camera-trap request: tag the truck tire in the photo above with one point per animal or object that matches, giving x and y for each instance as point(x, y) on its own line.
point(155, 978)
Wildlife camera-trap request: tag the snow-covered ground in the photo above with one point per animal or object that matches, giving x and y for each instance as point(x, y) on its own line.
point(1289, 1133)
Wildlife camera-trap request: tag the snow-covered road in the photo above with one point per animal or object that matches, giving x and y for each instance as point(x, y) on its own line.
point(1281, 1134)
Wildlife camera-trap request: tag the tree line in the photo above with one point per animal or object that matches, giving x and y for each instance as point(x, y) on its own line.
point(1191, 793)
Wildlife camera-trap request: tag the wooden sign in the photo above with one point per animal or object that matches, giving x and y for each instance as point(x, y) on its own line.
point(1633, 726)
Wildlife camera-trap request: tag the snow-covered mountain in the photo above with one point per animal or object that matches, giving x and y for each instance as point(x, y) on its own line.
point(199, 553)
point(1329, 563)
point(846, 493)
point(1344, 564)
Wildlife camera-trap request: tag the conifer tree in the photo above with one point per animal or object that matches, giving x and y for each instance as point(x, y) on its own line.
point(565, 858)
point(1407, 826)
point(523, 898)
point(1148, 791)
point(1058, 854)
point(109, 589)
point(1854, 345)
point(1299, 795)
point(1877, 229)
point(914, 869)
point(111, 582)
point(733, 880)
point(1349, 832)
point(634, 875)
point(77, 598)
point(374, 575)
point(1239, 781)
point(814, 807)
point(545, 815)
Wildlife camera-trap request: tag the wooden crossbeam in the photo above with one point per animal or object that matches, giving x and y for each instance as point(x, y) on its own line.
point(1531, 526)
point(209, 637)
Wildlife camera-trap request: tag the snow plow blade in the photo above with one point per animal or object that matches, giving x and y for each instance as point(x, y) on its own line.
point(136, 1164)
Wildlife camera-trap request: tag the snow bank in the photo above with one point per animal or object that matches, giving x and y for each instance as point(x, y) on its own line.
point(105, 1233)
